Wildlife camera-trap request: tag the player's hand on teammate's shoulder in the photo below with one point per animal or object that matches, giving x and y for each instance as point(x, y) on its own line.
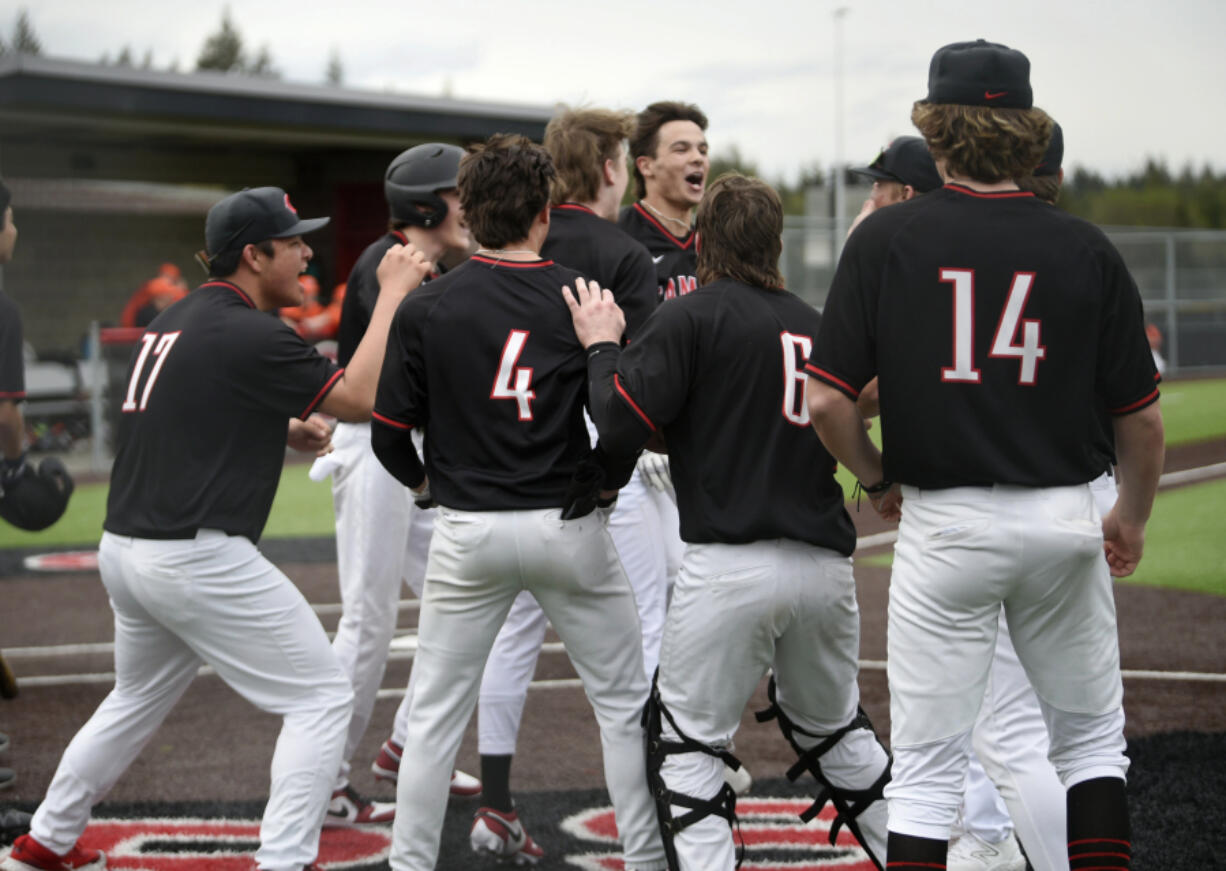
point(1122, 545)
point(596, 315)
point(311, 435)
point(403, 268)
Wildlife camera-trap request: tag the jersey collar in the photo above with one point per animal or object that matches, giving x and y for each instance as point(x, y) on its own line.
point(232, 286)
point(574, 207)
point(511, 264)
point(984, 195)
point(680, 243)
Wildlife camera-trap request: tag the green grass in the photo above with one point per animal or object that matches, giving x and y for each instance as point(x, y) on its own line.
point(1194, 410)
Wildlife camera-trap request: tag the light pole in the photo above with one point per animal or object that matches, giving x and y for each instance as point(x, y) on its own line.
point(840, 194)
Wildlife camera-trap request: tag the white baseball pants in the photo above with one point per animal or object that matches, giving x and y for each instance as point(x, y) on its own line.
point(213, 599)
point(738, 611)
point(479, 562)
point(382, 539)
point(640, 535)
point(961, 553)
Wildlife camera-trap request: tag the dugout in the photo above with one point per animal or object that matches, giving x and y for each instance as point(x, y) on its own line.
point(114, 168)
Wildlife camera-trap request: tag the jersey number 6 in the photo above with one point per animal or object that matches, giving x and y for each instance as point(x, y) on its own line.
point(1004, 343)
point(160, 346)
point(796, 351)
point(514, 382)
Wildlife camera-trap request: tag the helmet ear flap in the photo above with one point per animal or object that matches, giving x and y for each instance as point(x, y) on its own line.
point(413, 180)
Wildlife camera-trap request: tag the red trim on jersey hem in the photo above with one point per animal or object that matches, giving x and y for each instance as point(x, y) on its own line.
point(234, 287)
point(617, 385)
point(395, 424)
point(574, 207)
point(16, 394)
point(834, 381)
point(323, 391)
point(1133, 406)
point(689, 240)
point(513, 264)
point(986, 195)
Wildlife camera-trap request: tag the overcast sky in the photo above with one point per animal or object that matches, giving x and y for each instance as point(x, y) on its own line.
point(1125, 78)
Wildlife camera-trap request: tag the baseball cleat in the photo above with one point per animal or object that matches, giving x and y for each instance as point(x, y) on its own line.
point(739, 779)
point(387, 767)
point(29, 855)
point(500, 833)
point(348, 808)
point(969, 853)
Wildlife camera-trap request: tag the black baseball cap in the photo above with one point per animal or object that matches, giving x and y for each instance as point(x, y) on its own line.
point(253, 215)
point(905, 160)
point(1054, 155)
point(980, 73)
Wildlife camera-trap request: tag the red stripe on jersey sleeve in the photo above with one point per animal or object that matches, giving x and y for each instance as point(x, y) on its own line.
point(823, 375)
point(323, 391)
point(617, 385)
point(387, 421)
point(16, 394)
point(1133, 406)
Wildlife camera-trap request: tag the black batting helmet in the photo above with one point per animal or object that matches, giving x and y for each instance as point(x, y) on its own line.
point(415, 177)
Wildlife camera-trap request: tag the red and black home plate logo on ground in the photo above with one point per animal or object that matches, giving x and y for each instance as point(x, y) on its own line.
point(219, 845)
point(771, 829)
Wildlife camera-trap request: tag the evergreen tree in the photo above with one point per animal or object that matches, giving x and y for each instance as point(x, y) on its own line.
point(25, 40)
point(223, 50)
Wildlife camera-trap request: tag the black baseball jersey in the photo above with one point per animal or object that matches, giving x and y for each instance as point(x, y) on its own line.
point(597, 248)
point(721, 373)
point(211, 387)
point(998, 326)
point(486, 360)
point(361, 294)
point(676, 259)
point(12, 362)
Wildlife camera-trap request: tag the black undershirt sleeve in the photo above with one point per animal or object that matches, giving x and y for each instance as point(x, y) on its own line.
point(394, 448)
point(622, 432)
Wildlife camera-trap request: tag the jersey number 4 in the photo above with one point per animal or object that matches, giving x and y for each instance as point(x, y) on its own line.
point(159, 346)
point(512, 381)
point(1005, 343)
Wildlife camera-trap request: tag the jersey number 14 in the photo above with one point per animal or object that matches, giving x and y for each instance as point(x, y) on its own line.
point(1004, 344)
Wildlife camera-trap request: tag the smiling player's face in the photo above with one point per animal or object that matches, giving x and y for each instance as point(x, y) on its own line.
point(678, 172)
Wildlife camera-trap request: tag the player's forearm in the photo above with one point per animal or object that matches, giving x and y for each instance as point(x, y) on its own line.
point(841, 428)
point(12, 430)
point(353, 398)
point(1140, 451)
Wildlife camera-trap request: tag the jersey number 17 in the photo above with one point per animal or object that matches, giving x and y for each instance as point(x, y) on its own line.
point(159, 346)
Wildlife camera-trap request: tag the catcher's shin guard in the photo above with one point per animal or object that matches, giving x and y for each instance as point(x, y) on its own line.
point(722, 804)
point(848, 803)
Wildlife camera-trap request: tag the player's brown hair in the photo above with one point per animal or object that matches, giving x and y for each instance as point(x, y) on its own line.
point(1045, 187)
point(646, 138)
point(504, 184)
point(982, 143)
point(740, 232)
point(580, 141)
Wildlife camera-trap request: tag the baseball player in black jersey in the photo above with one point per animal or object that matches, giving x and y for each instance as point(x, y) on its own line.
point(381, 536)
point(211, 387)
point(766, 581)
point(485, 361)
point(997, 325)
point(669, 150)
point(587, 147)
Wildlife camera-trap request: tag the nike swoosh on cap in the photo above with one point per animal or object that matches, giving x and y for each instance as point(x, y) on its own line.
point(988, 95)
